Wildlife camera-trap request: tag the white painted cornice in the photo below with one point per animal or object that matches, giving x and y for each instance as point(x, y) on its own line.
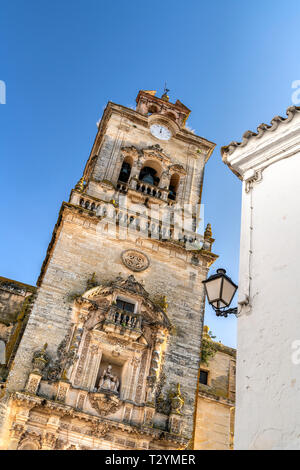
point(258, 151)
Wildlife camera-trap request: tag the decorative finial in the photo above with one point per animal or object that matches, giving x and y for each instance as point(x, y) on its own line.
point(208, 232)
point(165, 96)
point(80, 185)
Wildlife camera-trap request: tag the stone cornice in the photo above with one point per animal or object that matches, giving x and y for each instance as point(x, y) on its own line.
point(225, 349)
point(65, 410)
point(10, 285)
point(270, 144)
point(216, 398)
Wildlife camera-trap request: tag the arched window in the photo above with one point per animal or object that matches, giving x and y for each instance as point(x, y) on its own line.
point(125, 170)
point(150, 173)
point(173, 187)
point(2, 352)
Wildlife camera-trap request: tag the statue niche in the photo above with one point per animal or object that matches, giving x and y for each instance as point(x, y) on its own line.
point(109, 377)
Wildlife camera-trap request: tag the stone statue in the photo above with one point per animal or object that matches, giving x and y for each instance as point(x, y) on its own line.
point(108, 381)
point(115, 384)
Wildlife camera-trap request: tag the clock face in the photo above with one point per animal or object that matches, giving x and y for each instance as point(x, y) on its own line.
point(161, 132)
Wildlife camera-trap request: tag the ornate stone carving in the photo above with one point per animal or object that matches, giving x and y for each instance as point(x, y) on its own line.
point(82, 360)
point(130, 284)
point(148, 416)
point(56, 369)
point(63, 388)
point(177, 401)
point(142, 372)
point(154, 312)
point(49, 440)
point(135, 260)
point(17, 431)
point(99, 429)
point(104, 403)
point(81, 400)
point(175, 424)
point(33, 382)
point(59, 444)
point(40, 359)
point(30, 437)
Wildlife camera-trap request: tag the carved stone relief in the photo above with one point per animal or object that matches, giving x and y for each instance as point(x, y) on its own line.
point(135, 260)
point(104, 403)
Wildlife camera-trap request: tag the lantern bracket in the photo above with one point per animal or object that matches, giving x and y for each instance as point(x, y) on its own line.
point(220, 312)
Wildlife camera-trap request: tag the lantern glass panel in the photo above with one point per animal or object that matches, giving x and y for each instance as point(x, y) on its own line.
point(213, 289)
point(228, 291)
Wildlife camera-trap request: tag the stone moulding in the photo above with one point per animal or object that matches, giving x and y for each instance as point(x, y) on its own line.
point(135, 260)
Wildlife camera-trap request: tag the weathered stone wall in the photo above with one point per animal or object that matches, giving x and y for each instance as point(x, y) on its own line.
point(12, 295)
point(216, 401)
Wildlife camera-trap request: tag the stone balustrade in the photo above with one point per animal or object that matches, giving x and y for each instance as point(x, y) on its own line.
point(124, 319)
point(146, 225)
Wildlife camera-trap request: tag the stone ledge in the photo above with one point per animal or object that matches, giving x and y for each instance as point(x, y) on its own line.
point(210, 395)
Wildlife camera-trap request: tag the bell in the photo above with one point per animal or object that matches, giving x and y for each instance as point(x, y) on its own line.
point(148, 178)
point(172, 193)
point(125, 172)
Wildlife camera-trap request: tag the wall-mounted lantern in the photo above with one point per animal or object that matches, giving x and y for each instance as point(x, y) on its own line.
point(220, 290)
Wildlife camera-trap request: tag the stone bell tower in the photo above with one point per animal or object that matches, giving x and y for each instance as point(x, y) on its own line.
point(110, 355)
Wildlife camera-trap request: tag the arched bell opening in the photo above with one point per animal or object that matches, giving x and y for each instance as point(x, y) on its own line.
point(125, 170)
point(171, 116)
point(173, 186)
point(152, 109)
point(150, 173)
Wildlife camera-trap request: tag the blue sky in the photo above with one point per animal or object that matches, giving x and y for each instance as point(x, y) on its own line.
point(232, 62)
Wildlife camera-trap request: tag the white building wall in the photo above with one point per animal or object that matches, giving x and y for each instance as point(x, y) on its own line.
point(268, 376)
